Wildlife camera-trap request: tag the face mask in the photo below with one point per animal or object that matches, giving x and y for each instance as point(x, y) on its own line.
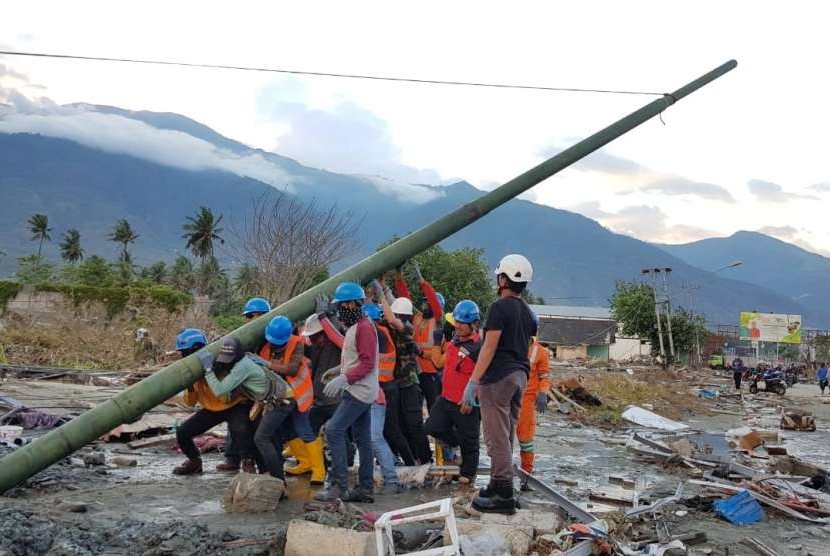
point(349, 317)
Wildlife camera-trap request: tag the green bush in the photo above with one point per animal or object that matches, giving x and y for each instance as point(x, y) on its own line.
point(115, 299)
point(227, 323)
point(8, 291)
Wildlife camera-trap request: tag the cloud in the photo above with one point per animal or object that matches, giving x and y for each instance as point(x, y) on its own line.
point(781, 232)
point(770, 192)
point(823, 187)
point(118, 134)
point(796, 236)
point(6, 71)
point(405, 191)
point(676, 185)
point(598, 161)
point(645, 222)
point(346, 138)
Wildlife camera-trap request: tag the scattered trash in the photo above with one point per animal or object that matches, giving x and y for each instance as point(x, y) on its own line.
point(740, 509)
point(483, 544)
point(10, 432)
point(646, 418)
point(798, 420)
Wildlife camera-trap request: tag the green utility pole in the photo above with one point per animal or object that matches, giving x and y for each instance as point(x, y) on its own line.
point(130, 404)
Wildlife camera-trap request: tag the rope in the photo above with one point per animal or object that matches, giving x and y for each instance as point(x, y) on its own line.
point(309, 73)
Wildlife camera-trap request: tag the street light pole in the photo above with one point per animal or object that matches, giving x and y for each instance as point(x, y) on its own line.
point(691, 287)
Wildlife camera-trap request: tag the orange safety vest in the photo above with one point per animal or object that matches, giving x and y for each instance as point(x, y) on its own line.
point(301, 383)
point(386, 362)
point(424, 337)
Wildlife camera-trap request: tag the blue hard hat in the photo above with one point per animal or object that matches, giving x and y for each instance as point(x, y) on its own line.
point(372, 311)
point(256, 305)
point(441, 300)
point(348, 291)
point(466, 312)
point(189, 337)
point(279, 330)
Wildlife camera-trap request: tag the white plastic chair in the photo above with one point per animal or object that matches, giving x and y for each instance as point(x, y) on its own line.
point(441, 509)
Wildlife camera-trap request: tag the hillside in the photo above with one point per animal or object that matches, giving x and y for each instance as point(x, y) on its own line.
point(577, 261)
point(767, 262)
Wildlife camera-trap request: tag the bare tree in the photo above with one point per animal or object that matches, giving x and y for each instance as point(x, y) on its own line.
point(287, 243)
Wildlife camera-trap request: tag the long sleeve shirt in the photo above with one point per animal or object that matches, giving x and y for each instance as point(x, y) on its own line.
point(822, 374)
point(246, 373)
point(200, 393)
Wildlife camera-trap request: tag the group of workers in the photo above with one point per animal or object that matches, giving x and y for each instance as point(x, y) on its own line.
point(361, 369)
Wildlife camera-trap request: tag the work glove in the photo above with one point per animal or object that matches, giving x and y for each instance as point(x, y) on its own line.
point(206, 358)
point(378, 290)
point(541, 402)
point(333, 388)
point(324, 306)
point(469, 397)
point(417, 270)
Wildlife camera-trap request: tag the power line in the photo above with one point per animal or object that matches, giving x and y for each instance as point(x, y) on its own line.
point(329, 74)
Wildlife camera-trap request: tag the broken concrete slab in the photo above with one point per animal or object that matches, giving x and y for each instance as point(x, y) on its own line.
point(306, 538)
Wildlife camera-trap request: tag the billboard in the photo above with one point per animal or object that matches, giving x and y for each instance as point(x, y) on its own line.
point(771, 327)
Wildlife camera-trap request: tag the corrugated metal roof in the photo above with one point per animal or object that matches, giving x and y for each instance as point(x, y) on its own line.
point(575, 331)
point(603, 313)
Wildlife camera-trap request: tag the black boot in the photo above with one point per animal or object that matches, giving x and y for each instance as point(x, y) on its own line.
point(496, 498)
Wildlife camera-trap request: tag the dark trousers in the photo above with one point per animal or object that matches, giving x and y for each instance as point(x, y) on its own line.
point(449, 425)
point(392, 423)
point(319, 415)
point(412, 409)
point(430, 387)
point(269, 439)
point(737, 376)
point(203, 420)
point(822, 384)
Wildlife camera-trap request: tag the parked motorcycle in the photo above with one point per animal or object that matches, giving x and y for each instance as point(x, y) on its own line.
point(791, 376)
point(773, 382)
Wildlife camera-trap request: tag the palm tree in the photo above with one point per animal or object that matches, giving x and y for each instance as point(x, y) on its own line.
point(71, 249)
point(39, 226)
point(201, 232)
point(123, 233)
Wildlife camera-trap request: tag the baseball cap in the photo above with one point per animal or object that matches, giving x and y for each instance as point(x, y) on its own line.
point(230, 351)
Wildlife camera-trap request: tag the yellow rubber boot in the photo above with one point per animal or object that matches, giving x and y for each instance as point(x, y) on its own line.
point(314, 450)
point(298, 448)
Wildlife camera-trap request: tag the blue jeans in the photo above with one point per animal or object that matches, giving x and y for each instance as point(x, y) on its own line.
point(302, 426)
point(380, 448)
point(358, 415)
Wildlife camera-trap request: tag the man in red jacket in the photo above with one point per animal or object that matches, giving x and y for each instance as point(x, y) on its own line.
point(450, 419)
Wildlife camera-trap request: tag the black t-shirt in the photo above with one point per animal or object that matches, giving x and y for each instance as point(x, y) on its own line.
point(512, 317)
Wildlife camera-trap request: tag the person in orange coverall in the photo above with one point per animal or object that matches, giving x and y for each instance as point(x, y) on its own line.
point(535, 398)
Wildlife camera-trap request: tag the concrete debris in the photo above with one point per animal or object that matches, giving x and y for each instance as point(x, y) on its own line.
point(306, 538)
point(252, 493)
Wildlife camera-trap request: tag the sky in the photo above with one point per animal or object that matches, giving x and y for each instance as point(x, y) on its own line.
point(747, 152)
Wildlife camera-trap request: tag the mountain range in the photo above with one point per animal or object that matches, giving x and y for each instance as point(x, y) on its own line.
point(89, 182)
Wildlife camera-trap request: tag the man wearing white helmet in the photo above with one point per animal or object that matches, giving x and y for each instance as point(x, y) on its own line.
point(500, 377)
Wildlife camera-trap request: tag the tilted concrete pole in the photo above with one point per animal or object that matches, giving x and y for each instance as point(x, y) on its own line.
point(130, 404)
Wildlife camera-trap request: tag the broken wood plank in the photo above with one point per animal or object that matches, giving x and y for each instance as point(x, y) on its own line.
point(152, 441)
point(758, 547)
point(563, 398)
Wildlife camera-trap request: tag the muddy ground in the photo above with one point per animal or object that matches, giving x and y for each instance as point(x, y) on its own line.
point(146, 510)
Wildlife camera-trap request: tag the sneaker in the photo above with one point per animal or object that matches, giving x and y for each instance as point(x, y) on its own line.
point(331, 494)
point(227, 467)
point(359, 495)
point(189, 467)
